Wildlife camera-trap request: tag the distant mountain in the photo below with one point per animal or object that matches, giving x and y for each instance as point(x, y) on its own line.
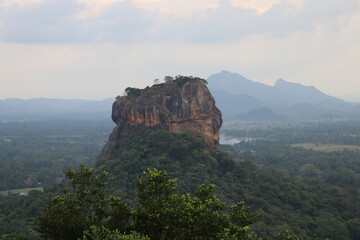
point(238, 85)
point(36, 108)
point(299, 93)
point(244, 103)
point(261, 114)
point(235, 94)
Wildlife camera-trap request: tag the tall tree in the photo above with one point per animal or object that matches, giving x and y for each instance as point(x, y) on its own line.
point(164, 214)
point(81, 206)
point(84, 211)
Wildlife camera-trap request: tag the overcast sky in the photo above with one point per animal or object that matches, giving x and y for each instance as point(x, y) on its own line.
point(93, 49)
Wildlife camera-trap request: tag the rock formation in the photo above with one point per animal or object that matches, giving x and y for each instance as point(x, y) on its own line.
point(180, 105)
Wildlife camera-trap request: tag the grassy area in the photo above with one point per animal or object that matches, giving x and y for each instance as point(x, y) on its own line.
point(327, 147)
point(22, 191)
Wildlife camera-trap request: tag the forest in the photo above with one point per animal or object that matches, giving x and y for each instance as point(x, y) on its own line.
point(35, 153)
point(308, 193)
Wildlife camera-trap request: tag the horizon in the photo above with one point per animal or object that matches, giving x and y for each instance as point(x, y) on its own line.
point(94, 49)
point(355, 100)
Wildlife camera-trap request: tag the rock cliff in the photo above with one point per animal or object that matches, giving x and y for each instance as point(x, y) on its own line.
point(183, 104)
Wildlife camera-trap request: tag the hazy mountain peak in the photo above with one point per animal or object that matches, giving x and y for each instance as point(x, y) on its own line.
point(236, 84)
point(283, 83)
point(298, 89)
point(280, 81)
point(282, 94)
point(229, 75)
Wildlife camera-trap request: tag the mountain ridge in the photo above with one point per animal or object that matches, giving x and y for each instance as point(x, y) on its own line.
point(282, 98)
point(234, 95)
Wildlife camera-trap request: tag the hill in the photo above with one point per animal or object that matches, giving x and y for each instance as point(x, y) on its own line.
point(142, 140)
point(183, 104)
point(310, 194)
point(232, 104)
point(286, 204)
point(237, 95)
point(234, 95)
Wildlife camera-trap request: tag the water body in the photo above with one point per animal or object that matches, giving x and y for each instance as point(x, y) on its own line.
point(228, 140)
point(231, 140)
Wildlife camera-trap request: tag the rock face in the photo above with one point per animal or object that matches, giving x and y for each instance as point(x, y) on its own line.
point(176, 106)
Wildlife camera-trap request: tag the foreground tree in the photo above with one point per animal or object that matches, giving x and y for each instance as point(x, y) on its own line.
point(164, 214)
point(103, 233)
point(81, 206)
point(84, 212)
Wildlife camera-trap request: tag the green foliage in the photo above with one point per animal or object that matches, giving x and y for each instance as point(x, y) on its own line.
point(39, 153)
point(164, 214)
point(168, 79)
point(236, 233)
point(353, 225)
point(103, 233)
point(18, 237)
point(17, 214)
point(324, 187)
point(181, 80)
point(161, 213)
point(41, 150)
point(158, 86)
point(154, 187)
point(132, 92)
point(332, 229)
point(295, 189)
point(83, 205)
point(285, 203)
point(146, 148)
point(241, 215)
point(286, 235)
point(177, 81)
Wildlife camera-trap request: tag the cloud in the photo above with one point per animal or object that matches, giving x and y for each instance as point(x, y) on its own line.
point(58, 21)
point(96, 71)
point(229, 23)
point(50, 21)
point(122, 22)
point(183, 8)
point(8, 3)
point(325, 8)
point(313, 42)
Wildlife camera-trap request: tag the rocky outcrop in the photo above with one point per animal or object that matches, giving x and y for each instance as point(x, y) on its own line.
point(182, 105)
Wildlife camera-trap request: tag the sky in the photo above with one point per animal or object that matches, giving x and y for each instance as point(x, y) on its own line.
point(94, 49)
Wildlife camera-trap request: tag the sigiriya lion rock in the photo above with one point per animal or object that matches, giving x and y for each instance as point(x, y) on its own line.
point(183, 104)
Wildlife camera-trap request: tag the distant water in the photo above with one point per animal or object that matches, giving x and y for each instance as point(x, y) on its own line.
point(228, 140)
point(231, 140)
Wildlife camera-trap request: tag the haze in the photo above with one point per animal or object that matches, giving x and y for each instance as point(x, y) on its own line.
point(93, 49)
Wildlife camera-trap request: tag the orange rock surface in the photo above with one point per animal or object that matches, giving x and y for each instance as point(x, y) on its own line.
point(176, 108)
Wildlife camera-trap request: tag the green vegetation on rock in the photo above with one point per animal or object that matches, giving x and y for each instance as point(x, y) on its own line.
point(298, 205)
point(179, 81)
point(132, 92)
